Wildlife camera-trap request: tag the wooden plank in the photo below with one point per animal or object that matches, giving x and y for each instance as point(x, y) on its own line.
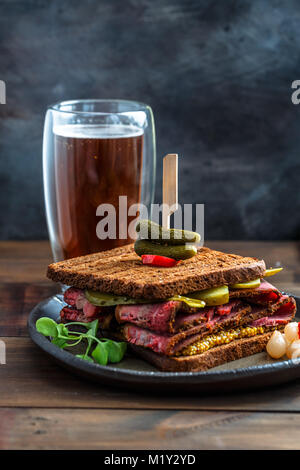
point(144, 429)
point(24, 261)
point(31, 379)
point(17, 300)
point(23, 283)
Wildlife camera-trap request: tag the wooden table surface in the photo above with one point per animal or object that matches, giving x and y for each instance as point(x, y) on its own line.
point(44, 407)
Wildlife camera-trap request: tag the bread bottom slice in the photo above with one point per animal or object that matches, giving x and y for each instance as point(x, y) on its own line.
point(212, 358)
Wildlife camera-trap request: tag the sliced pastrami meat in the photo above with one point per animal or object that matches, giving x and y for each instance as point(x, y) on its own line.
point(158, 317)
point(73, 314)
point(70, 314)
point(71, 296)
point(273, 307)
point(187, 320)
point(76, 298)
point(171, 316)
point(208, 315)
point(283, 315)
point(80, 309)
point(169, 343)
point(264, 294)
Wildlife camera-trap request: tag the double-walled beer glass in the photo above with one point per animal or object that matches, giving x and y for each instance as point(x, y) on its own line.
point(95, 151)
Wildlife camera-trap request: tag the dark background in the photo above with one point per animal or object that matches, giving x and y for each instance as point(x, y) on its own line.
point(217, 74)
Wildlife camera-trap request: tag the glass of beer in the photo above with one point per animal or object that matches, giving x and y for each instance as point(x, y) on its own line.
point(95, 151)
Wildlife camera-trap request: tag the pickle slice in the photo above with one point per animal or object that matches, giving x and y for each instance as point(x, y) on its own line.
point(195, 303)
point(178, 252)
point(272, 271)
point(101, 299)
point(246, 285)
point(213, 296)
point(151, 231)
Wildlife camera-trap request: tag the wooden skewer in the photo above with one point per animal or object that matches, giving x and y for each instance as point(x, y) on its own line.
point(170, 187)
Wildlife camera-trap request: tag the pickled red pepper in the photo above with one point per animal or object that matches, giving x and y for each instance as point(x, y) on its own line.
point(156, 260)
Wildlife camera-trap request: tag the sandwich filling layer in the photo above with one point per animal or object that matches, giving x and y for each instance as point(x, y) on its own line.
point(224, 337)
point(173, 328)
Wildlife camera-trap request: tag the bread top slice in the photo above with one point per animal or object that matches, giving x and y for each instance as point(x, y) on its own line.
point(120, 271)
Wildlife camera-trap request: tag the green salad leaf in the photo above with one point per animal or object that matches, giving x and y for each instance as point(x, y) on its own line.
point(106, 350)
point(116, 351)
point(100, 353)
point(47, 326)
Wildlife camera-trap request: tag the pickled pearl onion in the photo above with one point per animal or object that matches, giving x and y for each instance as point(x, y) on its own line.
point(291, 332)
point(296, 354)
point(276, 346)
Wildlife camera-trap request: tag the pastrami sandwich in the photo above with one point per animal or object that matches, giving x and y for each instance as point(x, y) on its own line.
point(207, 310)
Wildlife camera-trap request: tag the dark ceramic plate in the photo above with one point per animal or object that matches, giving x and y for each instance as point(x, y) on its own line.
point(250, 372)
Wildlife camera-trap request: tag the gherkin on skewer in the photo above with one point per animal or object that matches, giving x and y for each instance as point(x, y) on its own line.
point(177, 252)
point(156, 233)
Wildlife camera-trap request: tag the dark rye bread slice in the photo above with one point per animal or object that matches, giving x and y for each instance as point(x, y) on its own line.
point(207, 360)
point(120, 271)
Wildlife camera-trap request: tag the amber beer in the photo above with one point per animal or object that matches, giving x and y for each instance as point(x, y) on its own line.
point(94, 165)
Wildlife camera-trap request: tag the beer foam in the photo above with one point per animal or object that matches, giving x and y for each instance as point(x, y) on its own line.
point(110, 131)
